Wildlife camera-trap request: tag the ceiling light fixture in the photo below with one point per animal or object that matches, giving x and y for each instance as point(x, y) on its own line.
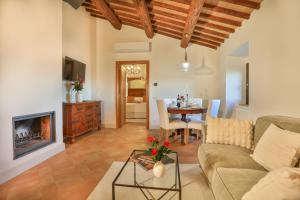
point(185, 65)
point(204, 69)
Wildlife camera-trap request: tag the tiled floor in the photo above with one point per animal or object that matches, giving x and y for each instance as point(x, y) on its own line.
point(74, 173)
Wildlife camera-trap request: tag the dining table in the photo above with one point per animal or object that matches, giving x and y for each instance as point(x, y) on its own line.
point(183, 111)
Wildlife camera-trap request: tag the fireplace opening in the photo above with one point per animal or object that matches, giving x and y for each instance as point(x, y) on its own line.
point(32, 132)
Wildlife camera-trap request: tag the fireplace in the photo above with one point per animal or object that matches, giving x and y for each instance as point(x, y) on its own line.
point(32, 132)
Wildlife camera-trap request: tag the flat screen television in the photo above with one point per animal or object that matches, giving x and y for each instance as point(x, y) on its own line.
point(73, 70)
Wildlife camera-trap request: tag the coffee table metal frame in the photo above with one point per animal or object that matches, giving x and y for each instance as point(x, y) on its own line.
point(141, 187)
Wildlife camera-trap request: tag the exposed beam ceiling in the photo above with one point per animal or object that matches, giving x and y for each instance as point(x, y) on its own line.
point(108, 13)
point(142, 11)
point(202, 22)
point(191, 21)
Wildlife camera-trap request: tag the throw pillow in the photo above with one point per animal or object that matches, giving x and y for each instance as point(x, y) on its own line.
point(277, 148)
point(230, 131)
point(279, 184)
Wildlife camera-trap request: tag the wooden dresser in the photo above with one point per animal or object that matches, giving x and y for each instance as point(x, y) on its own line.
point(80, 118)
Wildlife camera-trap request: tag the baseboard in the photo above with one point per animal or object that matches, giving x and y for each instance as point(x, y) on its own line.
point(16, 170)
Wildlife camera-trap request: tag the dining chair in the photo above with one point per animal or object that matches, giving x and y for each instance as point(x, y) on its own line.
point(166, 124)
point(212, 112)
point(195, 117)
point(170, 102)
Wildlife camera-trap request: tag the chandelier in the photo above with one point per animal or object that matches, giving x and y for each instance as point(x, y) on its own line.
point(133, 70)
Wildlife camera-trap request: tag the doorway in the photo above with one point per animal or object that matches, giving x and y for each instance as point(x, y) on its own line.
point(132, 92)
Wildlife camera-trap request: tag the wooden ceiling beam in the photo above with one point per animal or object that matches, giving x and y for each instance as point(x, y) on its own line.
point(207, 41)
point(123, 16)
point(245, 3)
point(123, 8)
point(206, 6)
point(167, 34)
point(108, 13)
point(167, 14)
point(128, 15)
point(185, 11)
point(168, 6)
point(143, 13)
point(204, 44)
point(163, 24)
point(180, 29)
point(208, 37)
point(137, 22)
point(197, 29)
point(167, 30)
point(226, 11)
point(169, 23)
point(212, 32)
point(192, 18)
point(168, 20)
point(122, 3)
point(178, 34)
point(220, 19)
point(215, 26)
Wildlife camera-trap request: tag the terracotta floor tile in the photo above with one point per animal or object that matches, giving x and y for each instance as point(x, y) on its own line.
point(74, 173)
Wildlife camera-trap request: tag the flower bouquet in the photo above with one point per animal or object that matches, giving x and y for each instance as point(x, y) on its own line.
point(158, 152)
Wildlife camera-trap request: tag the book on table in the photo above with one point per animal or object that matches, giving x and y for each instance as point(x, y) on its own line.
point(146, 162)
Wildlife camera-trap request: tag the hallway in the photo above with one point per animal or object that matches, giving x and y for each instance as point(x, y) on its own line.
point(74, 173)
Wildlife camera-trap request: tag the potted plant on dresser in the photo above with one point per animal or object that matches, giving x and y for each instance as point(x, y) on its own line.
point(78, 87)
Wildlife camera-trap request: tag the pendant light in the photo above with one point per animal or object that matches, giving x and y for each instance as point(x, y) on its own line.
point(185, 65)
point(204, 69)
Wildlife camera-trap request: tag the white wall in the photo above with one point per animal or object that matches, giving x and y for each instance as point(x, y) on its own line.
point(79, 42)
point(235, 84)
point(30, 74)
point(273, 34)
point(165, 59)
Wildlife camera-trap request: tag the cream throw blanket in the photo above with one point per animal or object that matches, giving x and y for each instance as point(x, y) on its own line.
point(230, 131)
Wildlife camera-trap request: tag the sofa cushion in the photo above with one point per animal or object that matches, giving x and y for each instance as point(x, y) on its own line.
point(230, 131)
point(233, 183)
point(277, 148)
point(281, 183)
point(286, 123)
point(212, 156)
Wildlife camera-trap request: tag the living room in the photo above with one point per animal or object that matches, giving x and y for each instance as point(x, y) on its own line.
point(36, 37)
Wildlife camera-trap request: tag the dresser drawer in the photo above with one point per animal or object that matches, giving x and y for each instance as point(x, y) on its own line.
point(78, 109)
point(79, 118)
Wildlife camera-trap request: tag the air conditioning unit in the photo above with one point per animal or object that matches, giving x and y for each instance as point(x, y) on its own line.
point(132, 47)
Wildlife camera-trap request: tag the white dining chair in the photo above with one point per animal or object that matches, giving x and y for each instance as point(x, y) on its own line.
point(167, 125)
point(212, 111)
point(213, 108)
point(171, 102)
point(195, 117)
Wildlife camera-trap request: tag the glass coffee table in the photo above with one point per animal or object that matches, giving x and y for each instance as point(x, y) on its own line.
point(135, 182)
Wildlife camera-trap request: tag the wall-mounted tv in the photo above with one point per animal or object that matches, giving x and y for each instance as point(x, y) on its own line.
point(73, 70)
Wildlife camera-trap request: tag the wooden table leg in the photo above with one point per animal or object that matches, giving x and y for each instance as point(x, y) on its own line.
point(186, 136)
point(161, 134)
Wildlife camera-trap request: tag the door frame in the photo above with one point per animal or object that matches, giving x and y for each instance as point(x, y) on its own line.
point(118, 89)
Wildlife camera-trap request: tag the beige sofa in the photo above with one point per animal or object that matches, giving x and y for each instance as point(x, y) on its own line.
point(230, 170)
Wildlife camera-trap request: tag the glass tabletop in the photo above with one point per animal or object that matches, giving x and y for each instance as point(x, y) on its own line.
point(133, 174)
